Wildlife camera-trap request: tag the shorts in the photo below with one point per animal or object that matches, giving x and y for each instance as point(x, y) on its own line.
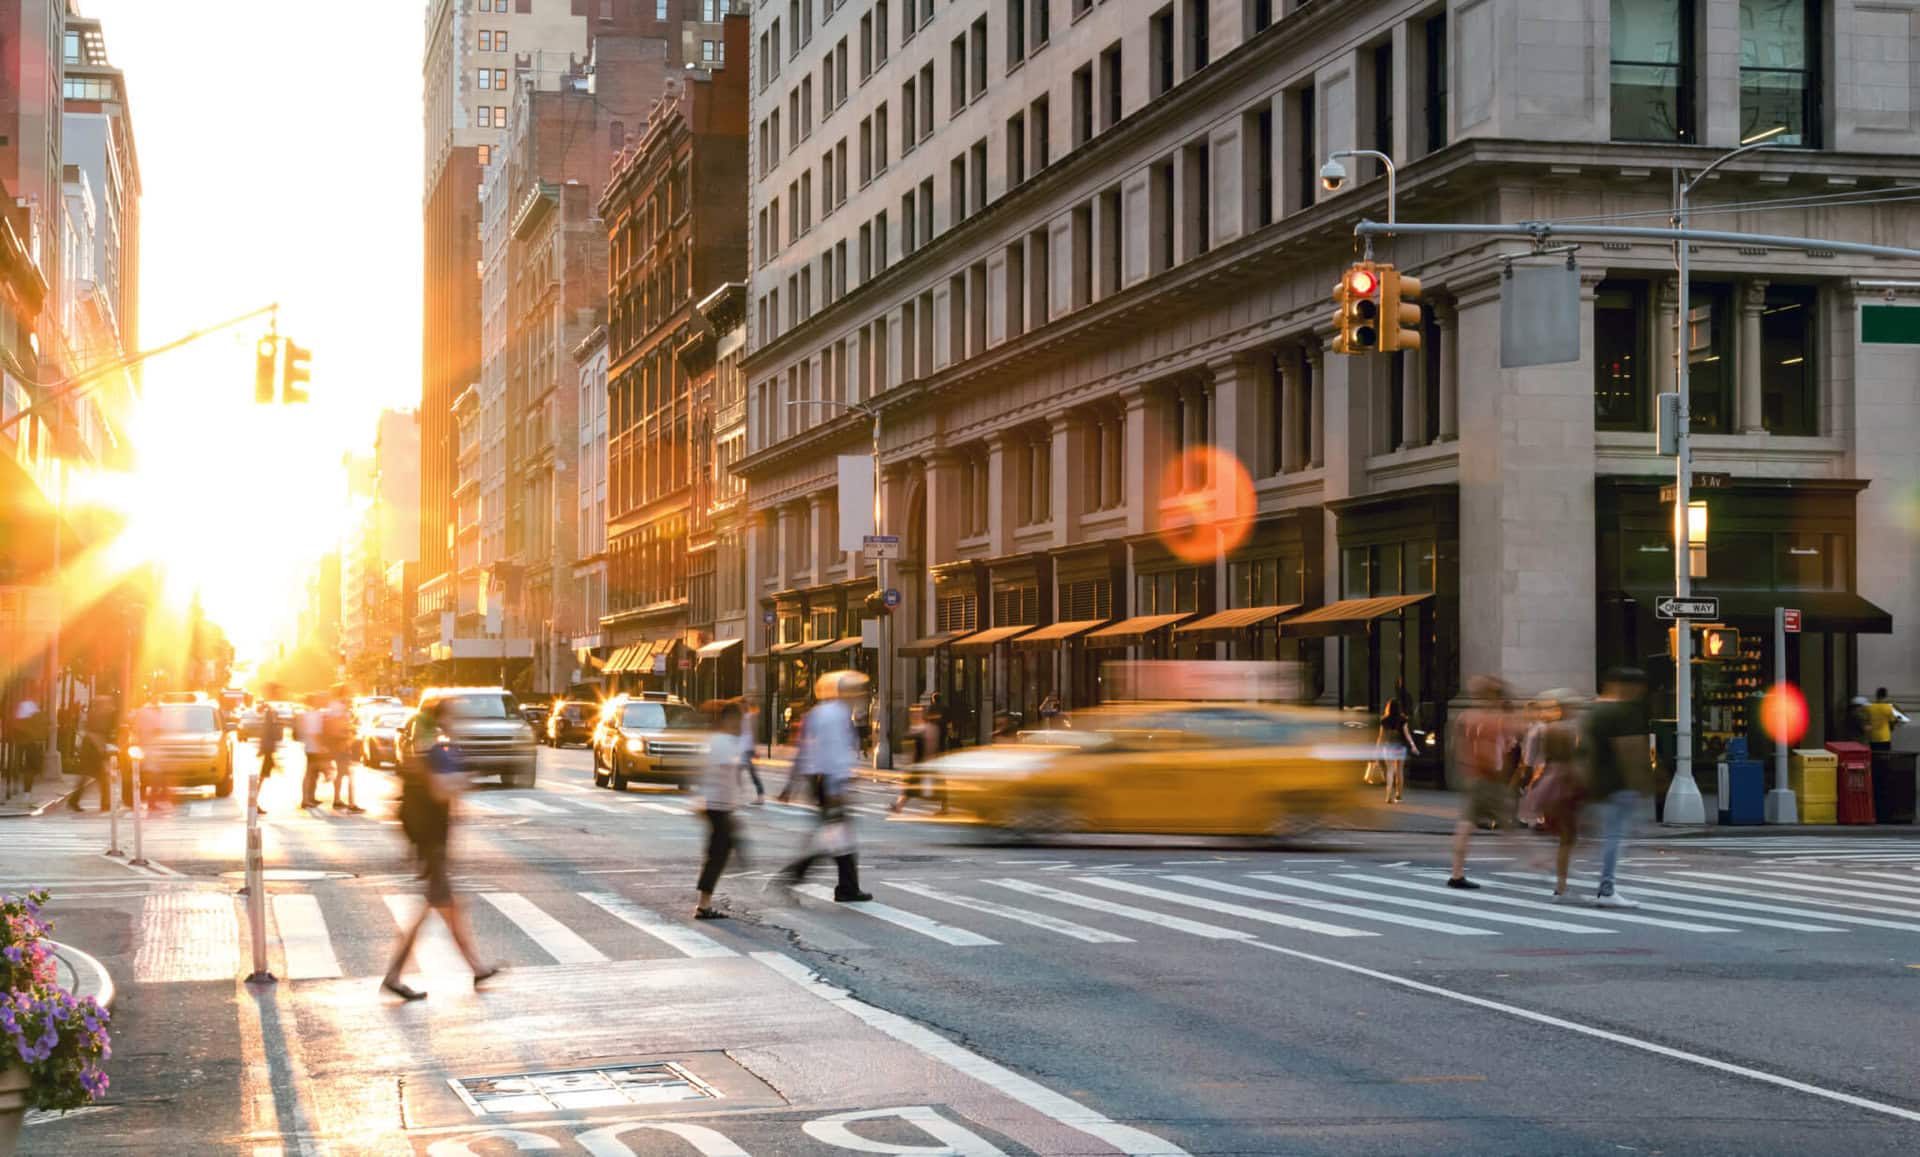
point(439, 878)
point(1486, 801)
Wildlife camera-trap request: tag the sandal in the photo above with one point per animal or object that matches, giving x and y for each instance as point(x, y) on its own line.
point(709, 914)
point(485, 974)
point(403, 991)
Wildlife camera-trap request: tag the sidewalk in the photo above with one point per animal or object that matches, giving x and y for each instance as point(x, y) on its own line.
point(45, 793)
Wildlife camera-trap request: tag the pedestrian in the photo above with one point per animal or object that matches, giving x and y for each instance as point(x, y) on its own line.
point(146, 728)
point(70, 729)
point(96, 731)
point(826, 758)
point(29, 739)
point(309, 727)
point(1619, 768)
point(1396, 745)
point(1049, 710)
point(928, 739)
point(749, 718)
point(430, 785)
point(796, 735)
point(1477, 749)
point(336, 733)
point(720, 796)
point(272, 731)
point(1559, 789)
point(1882, 718)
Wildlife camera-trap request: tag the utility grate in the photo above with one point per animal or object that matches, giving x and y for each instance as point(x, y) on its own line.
point(657, 1083)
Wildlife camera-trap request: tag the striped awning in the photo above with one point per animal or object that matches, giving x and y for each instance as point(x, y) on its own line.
point(1224, 625)
point(1057, 633)
point(1127, 632)
point(719, 647)
point(980, 642)
point(621, 661)
point(1348, 616)
point(840, 646)
point(920, 648)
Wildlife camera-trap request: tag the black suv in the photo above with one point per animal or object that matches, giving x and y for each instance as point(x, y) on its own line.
point(571, 721)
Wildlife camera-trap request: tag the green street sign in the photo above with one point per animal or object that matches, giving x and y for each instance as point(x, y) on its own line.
point(1890, 324)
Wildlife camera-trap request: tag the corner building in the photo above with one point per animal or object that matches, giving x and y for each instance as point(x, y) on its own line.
point(1058, 244)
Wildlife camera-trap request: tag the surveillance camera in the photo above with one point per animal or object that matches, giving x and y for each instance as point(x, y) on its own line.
point(1333, 174)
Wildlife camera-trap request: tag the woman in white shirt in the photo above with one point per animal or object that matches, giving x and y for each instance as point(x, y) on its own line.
point(720, 792)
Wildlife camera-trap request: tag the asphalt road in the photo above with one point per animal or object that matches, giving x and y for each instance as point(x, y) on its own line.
point(1087, 996)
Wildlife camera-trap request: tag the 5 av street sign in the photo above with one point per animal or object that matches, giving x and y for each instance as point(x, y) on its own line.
point(1677, 608)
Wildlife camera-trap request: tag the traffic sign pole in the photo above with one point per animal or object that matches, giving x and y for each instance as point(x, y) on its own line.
point(1781, 807)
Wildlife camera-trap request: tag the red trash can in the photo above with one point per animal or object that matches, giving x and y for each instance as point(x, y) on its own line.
point(1853, 782)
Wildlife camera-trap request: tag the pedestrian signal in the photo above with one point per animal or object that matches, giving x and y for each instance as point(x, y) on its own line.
point(1399, 311)
point(294, 374)
point(1356, 317)
point(263, 355)
point(1719, 643)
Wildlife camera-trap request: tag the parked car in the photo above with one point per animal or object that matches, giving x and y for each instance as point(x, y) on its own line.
point(660, 740)
point(572, 721)
point(186, 747)
point(486, 725)
point(379, 737)
point(536, 716)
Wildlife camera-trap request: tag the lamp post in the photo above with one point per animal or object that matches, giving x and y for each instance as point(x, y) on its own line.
point(882, 723)
point(1684, 804)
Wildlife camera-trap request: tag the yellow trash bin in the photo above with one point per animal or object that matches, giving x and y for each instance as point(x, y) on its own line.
point(1814, 777)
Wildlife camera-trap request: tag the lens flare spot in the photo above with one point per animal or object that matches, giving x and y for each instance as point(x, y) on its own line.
point(1783, 712)
point(1206, 504)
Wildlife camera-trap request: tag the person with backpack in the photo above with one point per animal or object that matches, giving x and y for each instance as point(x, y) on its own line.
point(430, 785)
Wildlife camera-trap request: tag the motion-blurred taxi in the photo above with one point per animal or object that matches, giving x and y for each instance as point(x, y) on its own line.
point(1198, 769)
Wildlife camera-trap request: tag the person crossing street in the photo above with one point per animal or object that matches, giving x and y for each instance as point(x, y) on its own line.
point(826, 757)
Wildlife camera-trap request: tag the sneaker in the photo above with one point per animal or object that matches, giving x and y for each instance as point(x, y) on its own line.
point(1613, 900)
point(1463, 883)
point(851, 897)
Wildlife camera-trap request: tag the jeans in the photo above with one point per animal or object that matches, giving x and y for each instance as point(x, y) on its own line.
point(719, 848)
point(1616, 813)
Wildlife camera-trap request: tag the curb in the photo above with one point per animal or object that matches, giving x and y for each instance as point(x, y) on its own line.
point(91, 977)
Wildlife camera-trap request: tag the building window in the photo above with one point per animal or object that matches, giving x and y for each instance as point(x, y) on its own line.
point(1016, 32)
point(1437, 65)
point(486, 40)
point(1306, 166)
point(1780, 69)
point(1620, 361)
point(1259, 16)
point(977, 59)
point(1082, 105)
point(1110, 86)
point(1040, 117)
point(486, 117)
point(500, 41)
point(660, 10)
point(1160, 51)
point(1016, 149)
point(1710, 369)
point(1198, 49)
point(1383, 98)
point(1789, 398)
point(485, 155)
point(706, 51)
point(485, 78)
point(1042, 22)
point(1261, 130)
point(1653, 70)
point(500, 79)
point(957, 76)
point(499, 117)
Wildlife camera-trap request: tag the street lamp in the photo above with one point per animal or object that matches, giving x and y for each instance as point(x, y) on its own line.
point(1684, 804)
point(882, 724)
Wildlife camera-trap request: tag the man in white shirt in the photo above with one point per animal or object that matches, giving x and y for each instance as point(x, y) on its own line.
point(828, 748)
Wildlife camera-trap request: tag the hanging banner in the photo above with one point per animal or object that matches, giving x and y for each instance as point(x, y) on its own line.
point(856, 500)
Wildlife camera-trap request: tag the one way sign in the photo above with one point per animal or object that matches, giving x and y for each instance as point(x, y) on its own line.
point(1677, 608)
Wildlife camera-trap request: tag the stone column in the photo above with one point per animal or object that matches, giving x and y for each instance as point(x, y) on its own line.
point(1003, 492)
point(1143, 458)
point(1449, 325)
point(1317, 401)
point(1288, 365)
point(820, 509)
point(1242, 408)
point(1069, 498)
point(1753, 302)
point(783, 547)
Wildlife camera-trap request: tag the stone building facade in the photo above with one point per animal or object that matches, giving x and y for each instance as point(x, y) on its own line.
point(1062, 247)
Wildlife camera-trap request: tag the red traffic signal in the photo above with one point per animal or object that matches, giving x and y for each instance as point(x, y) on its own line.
point(263, 358)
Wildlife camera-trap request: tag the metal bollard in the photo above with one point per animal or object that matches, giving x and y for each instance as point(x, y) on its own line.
point(113, 806)
point(139, 811)
point(256, 890)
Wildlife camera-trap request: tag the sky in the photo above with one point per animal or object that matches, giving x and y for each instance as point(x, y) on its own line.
point(280, 157)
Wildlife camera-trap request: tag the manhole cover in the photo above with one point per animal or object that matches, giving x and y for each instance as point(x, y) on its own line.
point(290, 874)
point(650, 1084)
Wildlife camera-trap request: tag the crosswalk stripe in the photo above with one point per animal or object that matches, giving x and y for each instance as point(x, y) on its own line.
point(434, 952)
point(1678, 877)
point(555, 939)
point(1221, 906)
point(531, 804)
point(684, 940)
point(912, 922)
point(1907, 876)
point(487, 806)
point(303, 937)
point(1144, 915)
point(1870, 888)
point(1516, 902)
point(596, 805)
point(1330, 906)
point(1432, 905)
point(187, 936)
point(1721, 891)
point(1022, 915)
point(1670, 909)
point(659, 807)
point(200, 809)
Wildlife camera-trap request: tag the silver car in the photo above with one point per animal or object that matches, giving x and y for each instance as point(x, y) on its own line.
point(487, 728)
point(184, 746)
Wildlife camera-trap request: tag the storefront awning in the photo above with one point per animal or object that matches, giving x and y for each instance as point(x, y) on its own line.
point(981, 642)
point(1127, 632)
point(921, 648)
point(1837, 611)
point(1348, 616)
point(718, 648)
point(840, 646)
point(788, 650)
point(1053, 633)
point(1227, 624)
point(621, 661)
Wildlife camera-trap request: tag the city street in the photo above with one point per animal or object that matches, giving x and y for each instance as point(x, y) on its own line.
point(1099, 995)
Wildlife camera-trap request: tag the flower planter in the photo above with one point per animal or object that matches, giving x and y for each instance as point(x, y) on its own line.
point(13, 1105)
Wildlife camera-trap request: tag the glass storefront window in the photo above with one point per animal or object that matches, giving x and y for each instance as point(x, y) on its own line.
point(1807, 562)
point(1737, 560)
point(1710, 357)
point(1779, 70)
point(1789, 396)
point(1652, 89)
point(1620, 356)
point(1646, 559)
point(1421, 559)
point(1356, 572)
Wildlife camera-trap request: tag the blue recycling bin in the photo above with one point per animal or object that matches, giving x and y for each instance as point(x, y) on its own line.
point(1743, 792)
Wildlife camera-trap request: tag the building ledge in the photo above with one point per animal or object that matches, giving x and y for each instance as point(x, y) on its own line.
point(1438, 462)
point(1747, 455)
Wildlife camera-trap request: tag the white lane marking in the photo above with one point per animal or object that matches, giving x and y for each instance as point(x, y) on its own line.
point(187, 936)
point(529, 804)
point(925, 926)
point(659, 807)
point(1022, 915)
point(1598, 1033)
point(1541, 905)
point(1432, 905)
point(685, 940)
point(1907, 876)
point(490, 807)
point(555, 939)
point(1870, 889)
point(200, 809)
point(434, 952)
point(1681, 878)
point(303, 936)
point(1641, 889)
point(1064, 1110)
point(1330, 906)
point(1221, 906)
point(1669, 909)
point(1145, 915)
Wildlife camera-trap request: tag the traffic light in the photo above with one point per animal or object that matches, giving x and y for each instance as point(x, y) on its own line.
point(1357, 313)
point(263, 355)
point(294, 374)
point(1399, 311)
point(1719, 643)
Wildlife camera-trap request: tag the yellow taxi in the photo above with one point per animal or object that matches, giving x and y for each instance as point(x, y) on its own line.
point(1177, 769)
